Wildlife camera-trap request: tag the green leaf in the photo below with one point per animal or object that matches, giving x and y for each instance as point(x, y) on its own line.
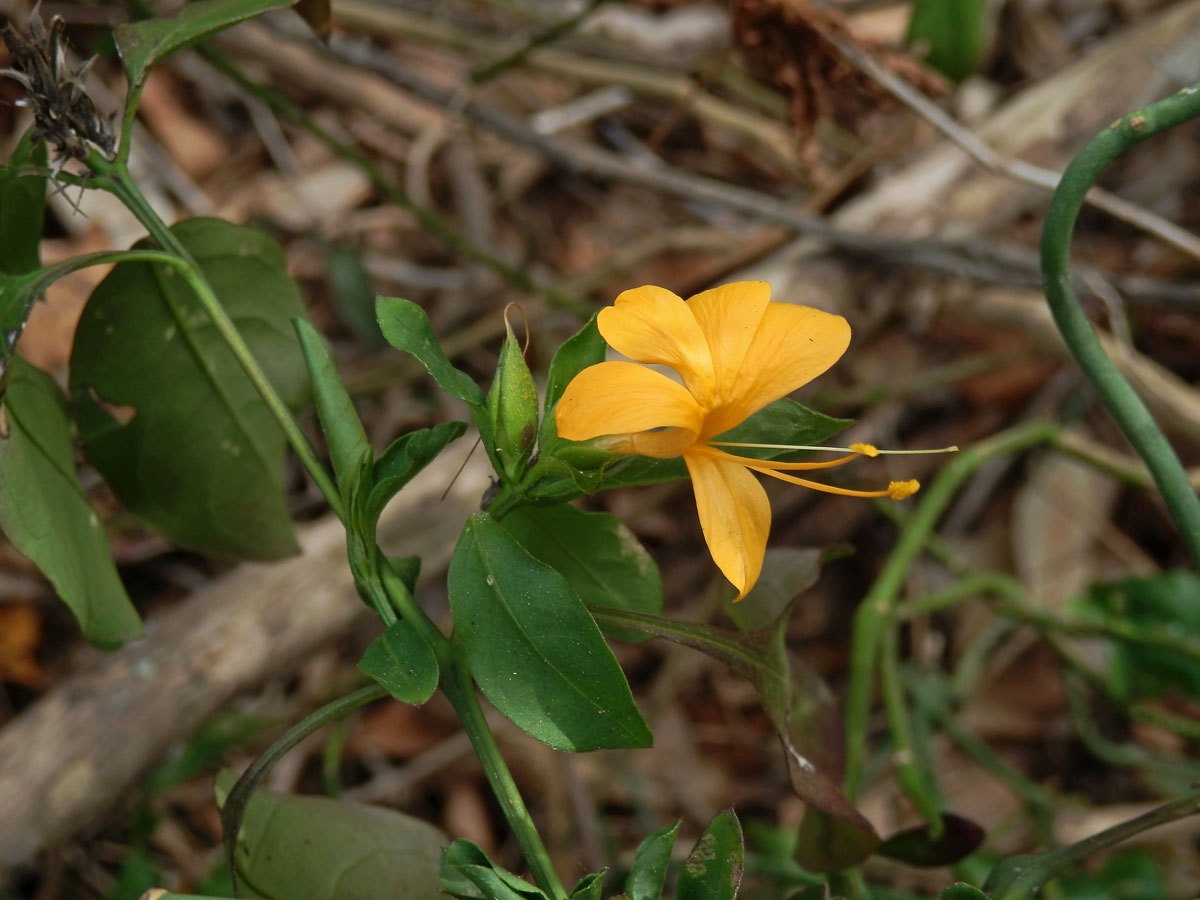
point(1129, 875)
point(713, 870)
point(584, 348)
point(165, 411)
point(407, 328)
point(22, 210)
point(468, 874)
point(18, 293)
point(143, 44)
point(407, 569)
point(352, 294)
point(45, 514)
point(1166, 605)
point(917, 847)
point(344, 432)
point(830, 843)
point(589, 887)
point(535, 651)
point(401, 661)
point(600, 558)
point(648, 874)
point(951, 31)
point(402, 460)
point(234, 795)
point(1018, 877)
point(320, 848)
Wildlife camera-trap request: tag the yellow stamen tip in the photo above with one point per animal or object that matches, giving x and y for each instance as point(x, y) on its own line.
point(898, 490)
point(865, 449)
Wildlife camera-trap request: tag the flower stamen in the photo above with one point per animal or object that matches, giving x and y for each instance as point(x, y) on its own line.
point(863, 449)
point(896, 490)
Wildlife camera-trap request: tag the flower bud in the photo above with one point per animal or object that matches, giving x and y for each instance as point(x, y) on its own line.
point(512, 407)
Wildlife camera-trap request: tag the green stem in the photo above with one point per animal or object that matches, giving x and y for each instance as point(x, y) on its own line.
point(114, 177)
point(411, 611)
point(456, 680)
point(457, 685)
point(972, 585)
point(1120, 398)
point(460, 690)
point(1020, 877)
point(913, 772)
point(875, 614)
point(234, 808)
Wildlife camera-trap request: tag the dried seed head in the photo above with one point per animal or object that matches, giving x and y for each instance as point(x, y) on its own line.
point(65, 116)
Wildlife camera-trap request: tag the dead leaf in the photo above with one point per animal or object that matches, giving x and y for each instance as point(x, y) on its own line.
point(20, 635)
point(789, 42)
point(1058, 515)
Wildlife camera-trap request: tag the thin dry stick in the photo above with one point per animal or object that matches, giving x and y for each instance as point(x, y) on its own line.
point(990, 261)
point(1017, 169)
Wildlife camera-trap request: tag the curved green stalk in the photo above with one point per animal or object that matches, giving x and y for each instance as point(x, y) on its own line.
point(460, 691)
point(1020, 877)
point(236, 801)
point(911, 760)
point(1120, 398)
point(876, 614)
point(114, 177)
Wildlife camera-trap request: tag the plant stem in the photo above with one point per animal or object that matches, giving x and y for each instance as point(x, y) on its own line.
point(456, 680)
point(878, 608)
point(460, 690)
point(234, 807)
point(114, 177)
point(913, 771)
point(1020, 877)
point(1120, 398)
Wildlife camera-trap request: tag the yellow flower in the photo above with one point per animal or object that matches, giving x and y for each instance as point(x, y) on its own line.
point(735, 352)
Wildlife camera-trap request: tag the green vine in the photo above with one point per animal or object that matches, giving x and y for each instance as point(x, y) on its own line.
point(1118, 395)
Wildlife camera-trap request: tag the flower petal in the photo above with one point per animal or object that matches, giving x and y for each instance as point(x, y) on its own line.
point(729, 316)
point(734, 514)
point(624, 398)
point(793, 345)
point(651, 325)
